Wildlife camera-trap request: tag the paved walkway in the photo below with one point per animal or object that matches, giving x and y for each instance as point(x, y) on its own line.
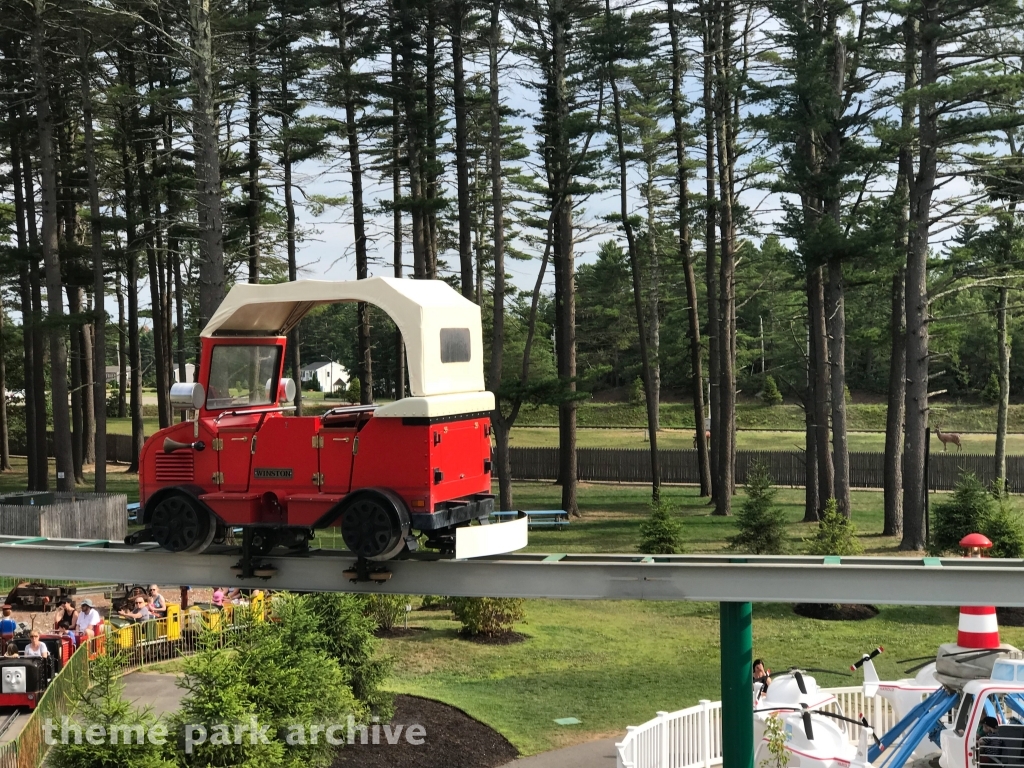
point(153, 690)
point(590, 754)
point(160, 692)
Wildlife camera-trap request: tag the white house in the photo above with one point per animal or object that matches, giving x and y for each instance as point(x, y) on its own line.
point(190, 373)
point(332, 376)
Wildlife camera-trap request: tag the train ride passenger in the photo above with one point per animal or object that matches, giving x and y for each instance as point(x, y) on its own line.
point(67, 616)
point(12, 651)
point(88, 619)
point(141, 611)
point(157, 603)
point(35, 647)
point(218, 597)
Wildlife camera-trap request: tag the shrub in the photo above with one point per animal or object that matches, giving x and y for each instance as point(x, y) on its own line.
point(965, 511)
point(1005, 529)
point(762, 525)
point(436, 603)
point(354, 392)
point(661, 533)
point(637, 394)
point(488, 615)
point(386, 610)
point(836, 534)
point(770, 395)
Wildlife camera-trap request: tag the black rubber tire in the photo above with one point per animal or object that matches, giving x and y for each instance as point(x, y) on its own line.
point(181, 525)
point(374, 525)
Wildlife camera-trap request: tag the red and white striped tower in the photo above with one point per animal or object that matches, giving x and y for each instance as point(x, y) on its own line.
point(978, 626)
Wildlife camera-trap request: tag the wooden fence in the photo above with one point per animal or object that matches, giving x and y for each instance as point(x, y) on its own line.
point(633, 465)
point(70, 516)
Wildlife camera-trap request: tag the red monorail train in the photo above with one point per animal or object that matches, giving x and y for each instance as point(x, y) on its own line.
point(380, 472)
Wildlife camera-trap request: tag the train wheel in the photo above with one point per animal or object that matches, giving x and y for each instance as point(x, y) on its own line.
point(374, 525)
point(180, 525)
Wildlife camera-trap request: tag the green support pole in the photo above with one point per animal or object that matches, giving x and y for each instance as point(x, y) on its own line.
point(737, 688)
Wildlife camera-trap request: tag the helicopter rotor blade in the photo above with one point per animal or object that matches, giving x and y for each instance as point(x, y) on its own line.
point(918, 667)
point(981, 655)
point(826, 671)
point(808, 723)
point(800, 683)
point(866, 657)
point(916, 658)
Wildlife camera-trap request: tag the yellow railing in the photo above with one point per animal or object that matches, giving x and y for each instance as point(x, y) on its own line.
point(134, 645)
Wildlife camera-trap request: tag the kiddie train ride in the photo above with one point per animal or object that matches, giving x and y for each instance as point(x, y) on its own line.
point(24, 679)
point(380, 472)
point(963, 709)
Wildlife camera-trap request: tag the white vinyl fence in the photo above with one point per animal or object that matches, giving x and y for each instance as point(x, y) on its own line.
point(692, 737)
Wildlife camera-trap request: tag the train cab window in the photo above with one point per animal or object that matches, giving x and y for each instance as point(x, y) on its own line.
point(239, 375)
point(455, 345)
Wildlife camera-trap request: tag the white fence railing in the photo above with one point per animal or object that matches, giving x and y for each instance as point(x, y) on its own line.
point(692, 737)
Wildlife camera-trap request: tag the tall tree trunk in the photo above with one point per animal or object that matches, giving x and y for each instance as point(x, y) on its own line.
point(365, 363)
point(293, 271)
point(922, 186)
point(212, 275)
point(413, 138)
point(710, 260)
point(892, 477)
point(88, 389)
point(51, 261)
point(122, 351)
point(836, 312)
point(25, 297)
point(132, 245)
point(1003, 350)
point(634, 268)
point(726, 272)
point(812, 500)
point(5, 446)
point(39, 442)
point(686, 255)
point(431, 170)
point(458, 19)
point(396, 214)
point(822, 398)
point(253, 159)
point(75, 369)
point(564, 259)
point(495, 373)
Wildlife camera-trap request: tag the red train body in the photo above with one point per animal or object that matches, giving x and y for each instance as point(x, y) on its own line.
point(423, 463)
point(23, 679)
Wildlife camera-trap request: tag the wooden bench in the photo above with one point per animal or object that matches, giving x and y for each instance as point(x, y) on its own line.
point(547, 518)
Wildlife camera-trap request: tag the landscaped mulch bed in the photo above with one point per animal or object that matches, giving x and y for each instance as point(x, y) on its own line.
point(453, 740)
point(835, 612)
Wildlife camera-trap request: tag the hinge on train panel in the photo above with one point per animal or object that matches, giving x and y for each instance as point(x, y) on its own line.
point(253, 451)
point(218, 478)
point(217, 444)
point(318, 441)
point(355, 445)
point(437, 438)
point(318, 479)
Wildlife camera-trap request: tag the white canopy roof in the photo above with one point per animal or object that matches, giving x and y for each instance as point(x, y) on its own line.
point(423, 310)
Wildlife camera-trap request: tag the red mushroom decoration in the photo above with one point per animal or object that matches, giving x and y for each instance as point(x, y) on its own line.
point(974, 543)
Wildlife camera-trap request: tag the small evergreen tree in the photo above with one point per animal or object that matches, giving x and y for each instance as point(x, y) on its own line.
point(104, 704)
point(965, 511)
point(836, 534)
point(762, 525)
point(354, 392)
point(1005, 529)
point(661, 533)
point(770, 395)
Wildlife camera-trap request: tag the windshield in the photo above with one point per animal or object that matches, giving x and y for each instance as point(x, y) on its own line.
point(242, 375)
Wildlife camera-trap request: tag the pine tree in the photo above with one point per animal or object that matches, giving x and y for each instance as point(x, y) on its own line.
point(761, 524)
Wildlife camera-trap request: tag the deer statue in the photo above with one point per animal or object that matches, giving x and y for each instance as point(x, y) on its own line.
point(948, 437)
